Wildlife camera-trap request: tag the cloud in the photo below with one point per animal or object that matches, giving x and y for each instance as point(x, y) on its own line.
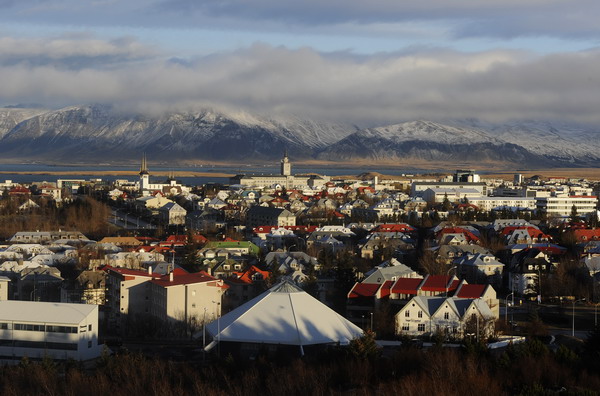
point(72, 51)
point(367, 90)
point(463, 18)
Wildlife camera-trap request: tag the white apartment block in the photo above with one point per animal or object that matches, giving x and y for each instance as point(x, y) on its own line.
point(41, 329)
point(418, 188)
point(491, 203)
point(453, 194)
point(125, 294)
point(186, 297)
point(177, 296)
point(561, 205)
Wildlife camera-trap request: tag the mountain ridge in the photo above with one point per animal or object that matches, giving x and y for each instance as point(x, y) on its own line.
point(99, 132)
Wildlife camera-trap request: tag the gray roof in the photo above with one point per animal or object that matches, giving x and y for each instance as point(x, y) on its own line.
point(44, 312)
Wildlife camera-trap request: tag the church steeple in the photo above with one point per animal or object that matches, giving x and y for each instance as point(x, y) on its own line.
point(144, 175)
point(144, 166)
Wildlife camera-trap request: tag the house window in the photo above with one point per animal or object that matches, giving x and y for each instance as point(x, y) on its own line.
point(421, 327)
point(420, 314)
point(407, 314)
point(446, 315)
point(405, 327)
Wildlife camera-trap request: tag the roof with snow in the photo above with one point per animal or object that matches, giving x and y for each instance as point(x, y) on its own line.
point(284, 314)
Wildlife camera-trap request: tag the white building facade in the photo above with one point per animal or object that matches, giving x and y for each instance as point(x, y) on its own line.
point(40, 329)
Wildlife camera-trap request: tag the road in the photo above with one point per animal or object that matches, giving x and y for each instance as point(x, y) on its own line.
point(128, 221)
point(558, 318)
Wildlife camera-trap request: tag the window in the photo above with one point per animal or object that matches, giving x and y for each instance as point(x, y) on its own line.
point(31, 327)
point(61, 329)
point(90, 328)
point(421, 327)
point(446, 315)
point(45, 345)
point(407, 314)
point(405, 327)
point(420, 314)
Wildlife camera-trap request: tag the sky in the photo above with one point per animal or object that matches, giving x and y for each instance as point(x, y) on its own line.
point(364, 62)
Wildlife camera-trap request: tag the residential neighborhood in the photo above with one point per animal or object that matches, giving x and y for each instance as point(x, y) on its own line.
point(462, 259)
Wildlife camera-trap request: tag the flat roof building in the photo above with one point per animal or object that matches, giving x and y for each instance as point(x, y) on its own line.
point(42, 329)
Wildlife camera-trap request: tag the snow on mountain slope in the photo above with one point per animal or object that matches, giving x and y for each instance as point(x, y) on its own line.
point(98, 130)
point(564, 142)
point(429, 141)
point(10, 117)
point(430, 132)
point(101, 132)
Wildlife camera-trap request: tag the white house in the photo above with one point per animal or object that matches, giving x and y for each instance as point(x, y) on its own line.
point(42, 329)
point(450, 316)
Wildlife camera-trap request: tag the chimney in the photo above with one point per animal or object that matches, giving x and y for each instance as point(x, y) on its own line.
point(171, 276)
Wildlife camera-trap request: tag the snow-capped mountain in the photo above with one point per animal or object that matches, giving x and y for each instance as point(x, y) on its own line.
point(98, 131)
point(430, 141)
point(93, 132)
point(10, 117)
point(562, 142)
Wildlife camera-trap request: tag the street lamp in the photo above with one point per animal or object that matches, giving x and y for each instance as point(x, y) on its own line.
point(371, 321)
point(506, 308)
point(218, 335)
point(573, 329)
point(539, 283)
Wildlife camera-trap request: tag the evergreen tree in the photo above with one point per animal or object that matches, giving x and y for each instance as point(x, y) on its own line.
point(446, 205)
point(574, 216)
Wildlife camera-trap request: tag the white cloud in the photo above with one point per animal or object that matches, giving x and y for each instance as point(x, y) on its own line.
point(73, 50)
point(383, 88)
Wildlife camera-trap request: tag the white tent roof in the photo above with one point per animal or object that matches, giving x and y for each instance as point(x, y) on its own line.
point(284, 314)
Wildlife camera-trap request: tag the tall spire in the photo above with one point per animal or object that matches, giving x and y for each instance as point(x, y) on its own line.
point(144, 166)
